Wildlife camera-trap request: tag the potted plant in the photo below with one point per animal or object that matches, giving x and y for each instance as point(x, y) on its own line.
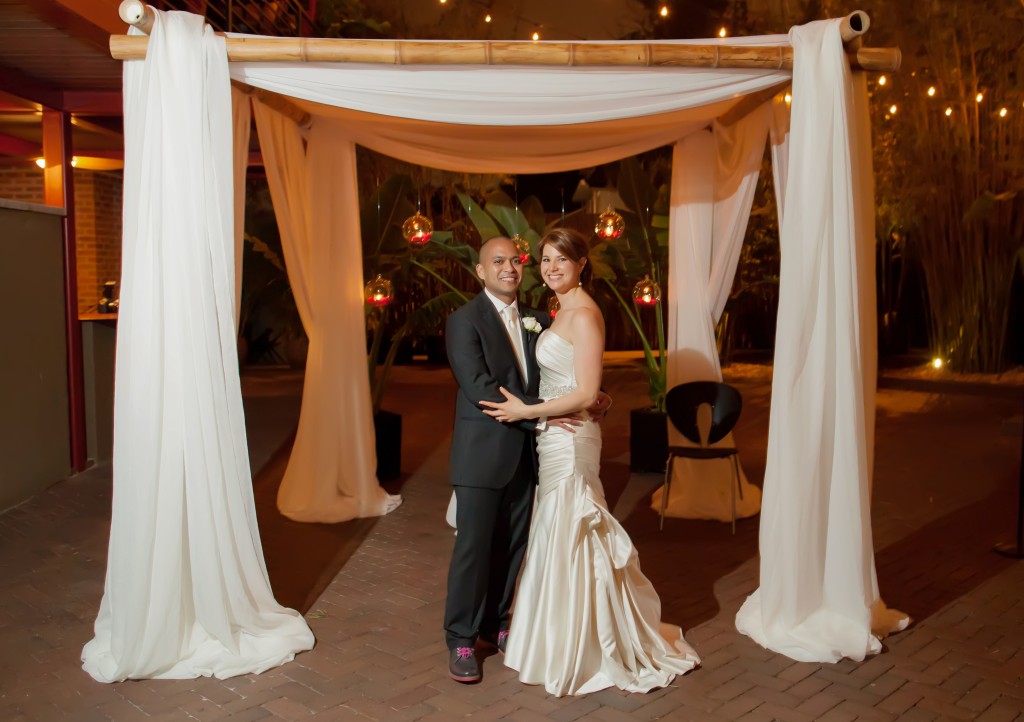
point(423, 298)
point(619, 263)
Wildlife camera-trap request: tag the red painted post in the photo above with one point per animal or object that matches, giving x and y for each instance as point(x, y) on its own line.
point(59, 191)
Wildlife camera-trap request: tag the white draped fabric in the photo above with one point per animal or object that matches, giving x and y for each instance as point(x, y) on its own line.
point(186, 589)
point(818, 600)
point(331, 474)
point(715, 175)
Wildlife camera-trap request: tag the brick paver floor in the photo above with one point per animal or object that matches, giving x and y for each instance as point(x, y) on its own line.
point(944, 492)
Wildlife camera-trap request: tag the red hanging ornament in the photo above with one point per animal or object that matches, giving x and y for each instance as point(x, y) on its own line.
point(523, 248)
point(647, 292)
point(610, 225)
point(417, 230)
point(378, 292)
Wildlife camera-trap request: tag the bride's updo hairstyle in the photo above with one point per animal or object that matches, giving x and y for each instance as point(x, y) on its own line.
point(573, 246)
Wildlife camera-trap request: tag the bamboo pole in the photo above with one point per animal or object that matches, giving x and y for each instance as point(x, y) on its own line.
point(137, 13)
point(498, 53)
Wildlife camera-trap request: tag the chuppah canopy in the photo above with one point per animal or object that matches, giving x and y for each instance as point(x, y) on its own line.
point(509, 118)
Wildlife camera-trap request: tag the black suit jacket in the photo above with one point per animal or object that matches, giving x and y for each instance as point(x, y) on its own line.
point(486, 453)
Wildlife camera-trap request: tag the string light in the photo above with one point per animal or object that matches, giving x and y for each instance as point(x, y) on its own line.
point(487, 18)
point(949, 112)
point(1003, 112)
point(882, 80)
point(789, 98)
point(892, 109)
point(979, 97)
point(664, 11)
point(936, 363)
point(931, 92)
point(721, 32)
point(536, 36)
point(442, 1)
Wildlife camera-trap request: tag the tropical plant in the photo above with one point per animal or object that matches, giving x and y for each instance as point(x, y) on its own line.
point(641, 250)
point(424, 292)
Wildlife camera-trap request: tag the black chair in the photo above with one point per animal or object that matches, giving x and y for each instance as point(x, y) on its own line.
point(682, 404)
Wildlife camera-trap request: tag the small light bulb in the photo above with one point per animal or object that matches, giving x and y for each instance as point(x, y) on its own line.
point(442, 1)
point(931, 92)
point(882, 80)
point(979, 97)
point(664, 11)
point(536, 36)
point(936, 363)
point(949, 112)
point(721, 32)
point(41, 162)
point(892, 109)
point(487, 19)
point(1003, 112)
point(789, 98)
point(74, 161)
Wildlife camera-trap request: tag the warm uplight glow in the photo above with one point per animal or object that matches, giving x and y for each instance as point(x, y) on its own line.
point(949, 112)
point(931, 92)
point(1003, 112)
point(789, 98)
point(41, 162)
point(882, 80)
point(892, 109)
point(936, 363)
point(664, 11)
point(487, 18)
point(74, 161)
point(979, 97)
point(722, 33)
point(536, 36)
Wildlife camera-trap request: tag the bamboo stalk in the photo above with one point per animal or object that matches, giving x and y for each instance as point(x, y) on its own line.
point(480, 52)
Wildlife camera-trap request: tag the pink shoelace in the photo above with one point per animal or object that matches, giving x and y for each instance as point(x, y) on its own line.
point(502, 636)
point(464, 652)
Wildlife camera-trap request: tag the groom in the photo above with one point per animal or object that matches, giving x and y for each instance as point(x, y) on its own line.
point(493, 466)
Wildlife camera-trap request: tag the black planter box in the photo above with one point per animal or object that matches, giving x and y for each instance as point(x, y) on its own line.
point(388, 427)
point(648, 440)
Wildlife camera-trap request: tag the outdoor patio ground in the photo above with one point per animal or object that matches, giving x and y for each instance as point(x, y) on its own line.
point(944, 493)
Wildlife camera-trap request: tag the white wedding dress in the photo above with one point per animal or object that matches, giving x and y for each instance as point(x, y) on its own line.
point(585, 618)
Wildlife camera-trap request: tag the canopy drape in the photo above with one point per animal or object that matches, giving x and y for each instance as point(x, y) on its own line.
point(715, 174)
point(331, 473)
point(818, 599)
point(186, 590)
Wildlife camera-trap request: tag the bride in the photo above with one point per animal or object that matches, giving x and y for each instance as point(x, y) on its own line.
point(586, 618)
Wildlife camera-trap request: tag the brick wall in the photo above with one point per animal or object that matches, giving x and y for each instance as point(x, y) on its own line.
point(97, 222)
point(98, 228)
point(21, 183)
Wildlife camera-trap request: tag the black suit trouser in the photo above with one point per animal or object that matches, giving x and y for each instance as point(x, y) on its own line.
point(493, 528)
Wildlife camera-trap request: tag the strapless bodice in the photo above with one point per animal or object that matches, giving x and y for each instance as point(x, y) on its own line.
point(557, 371)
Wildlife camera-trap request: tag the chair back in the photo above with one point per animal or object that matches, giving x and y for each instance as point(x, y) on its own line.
point(683, 402)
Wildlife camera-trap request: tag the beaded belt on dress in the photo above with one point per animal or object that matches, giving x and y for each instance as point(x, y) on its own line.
point(550, 391)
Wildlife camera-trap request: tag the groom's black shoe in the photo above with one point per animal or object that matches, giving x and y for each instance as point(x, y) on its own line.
point(462, 665)
point(499, 642)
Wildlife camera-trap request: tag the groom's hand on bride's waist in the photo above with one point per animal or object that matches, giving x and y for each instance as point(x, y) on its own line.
point(565, 422)
point(600, 407)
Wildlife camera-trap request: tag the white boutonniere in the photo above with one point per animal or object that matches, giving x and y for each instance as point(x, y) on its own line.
point(531, 324)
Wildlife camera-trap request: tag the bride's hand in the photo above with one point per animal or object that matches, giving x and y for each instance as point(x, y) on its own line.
point(512, 409)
